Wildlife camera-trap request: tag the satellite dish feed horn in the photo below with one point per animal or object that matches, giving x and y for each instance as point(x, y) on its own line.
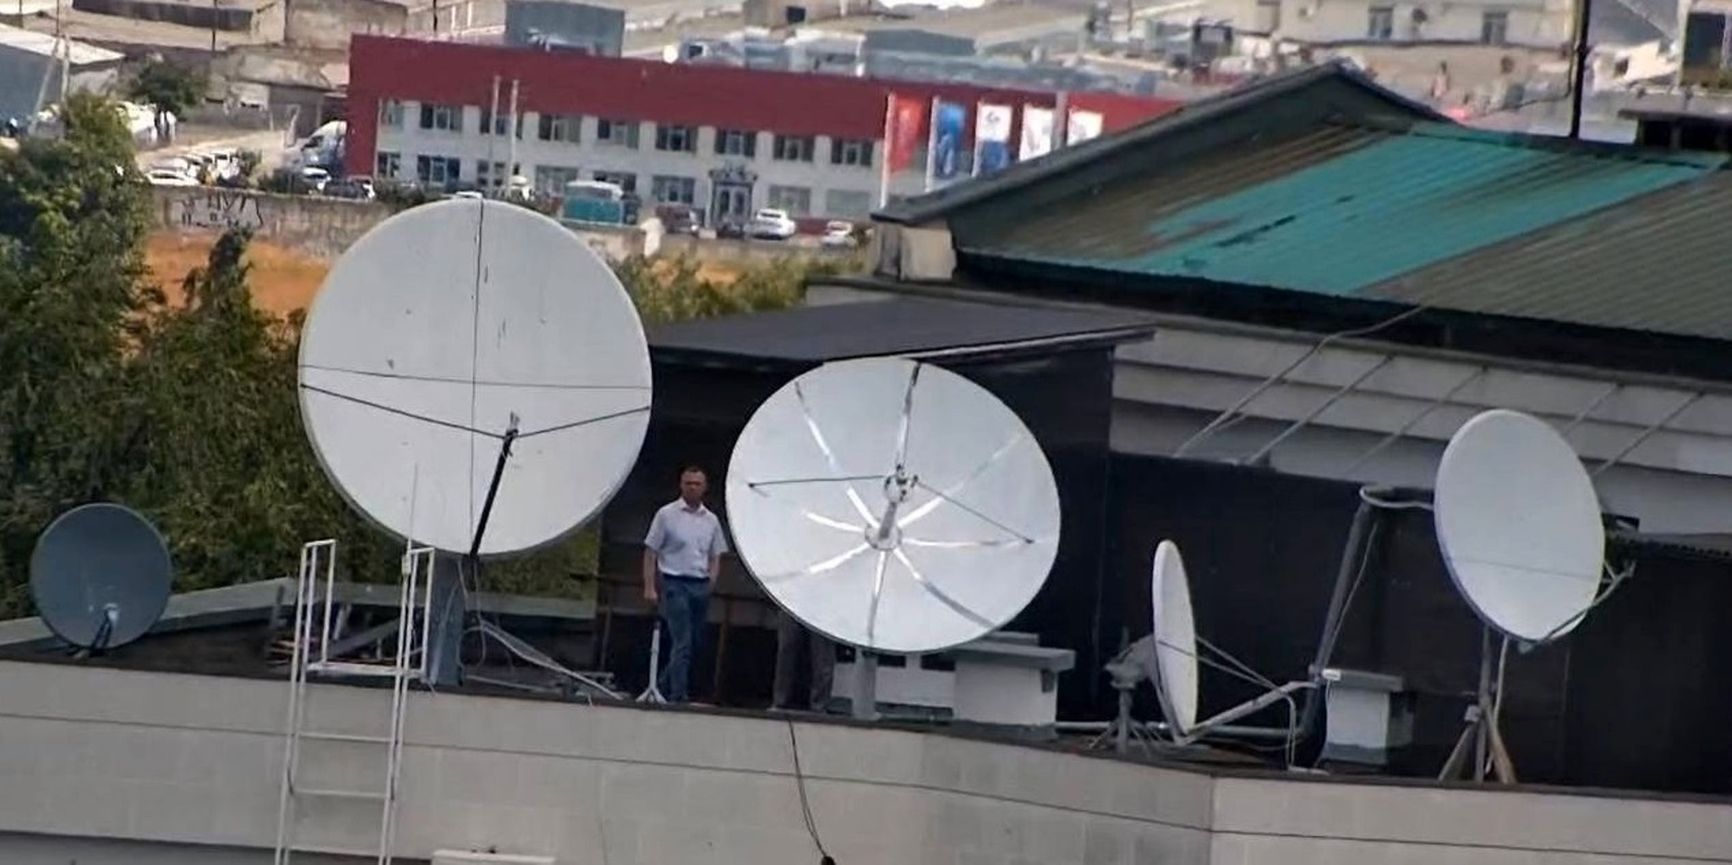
point(1520, 529)
point(893, 506)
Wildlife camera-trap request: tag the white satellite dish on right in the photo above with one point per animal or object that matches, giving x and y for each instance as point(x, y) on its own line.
point(1519, 528)
point(893, 505)
point(1519, 525)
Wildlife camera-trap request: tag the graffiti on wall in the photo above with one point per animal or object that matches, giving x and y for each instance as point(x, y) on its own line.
point(215, 208)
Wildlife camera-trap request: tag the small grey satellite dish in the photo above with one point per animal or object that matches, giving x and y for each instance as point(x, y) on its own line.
point(100, 576)
point(893, 505)
point(475, 378)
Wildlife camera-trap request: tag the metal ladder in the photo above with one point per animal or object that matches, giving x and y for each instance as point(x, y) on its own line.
point(300, 802)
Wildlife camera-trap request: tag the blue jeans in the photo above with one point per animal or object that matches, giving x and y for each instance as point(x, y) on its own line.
point(685, 605)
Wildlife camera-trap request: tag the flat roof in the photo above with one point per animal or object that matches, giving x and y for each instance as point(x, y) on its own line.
point(47, 45)
point(910, 327)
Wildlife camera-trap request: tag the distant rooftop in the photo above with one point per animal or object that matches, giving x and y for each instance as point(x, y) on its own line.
point(909, 327)
point(47, 45)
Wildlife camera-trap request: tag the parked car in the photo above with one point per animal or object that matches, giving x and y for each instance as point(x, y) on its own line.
point(773, 224)
point(315, 178)
point(168, 177)
point(358, 189)
point(680, 218)
point(838, 233)
point(731, 227)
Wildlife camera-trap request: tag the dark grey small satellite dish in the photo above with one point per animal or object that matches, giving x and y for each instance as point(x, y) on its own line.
point(100, 576)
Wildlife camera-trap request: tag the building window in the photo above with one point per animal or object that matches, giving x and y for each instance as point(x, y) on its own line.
point(390, 114)
point(1494, 28)
point(621, 133)
point(442, 118)
point(847, 204)
point(673, 190)
point(493, 175)
point(625, 180)
point(491, 125)
point(851, 151)
point(1380, 23)
point(438, 170)
point(794, 148)
point(387, 164)
point(561, 127)
point(736, 142)
point(797, 200)
point(678, 139)
point(551, 179)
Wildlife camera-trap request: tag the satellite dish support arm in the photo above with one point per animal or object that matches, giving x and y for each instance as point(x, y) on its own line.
point(1250, 707)
point(493, 489)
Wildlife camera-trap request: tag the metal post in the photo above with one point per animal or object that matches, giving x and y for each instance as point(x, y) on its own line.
point(865, 698)
point(511, 142)
point(1579, 68)
point(1482, 736)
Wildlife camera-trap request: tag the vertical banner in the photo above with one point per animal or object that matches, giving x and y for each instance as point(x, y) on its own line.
point(904, 125)
point(1082, 126)
point(1036, 132)
point(991, 138)
point(949, 127)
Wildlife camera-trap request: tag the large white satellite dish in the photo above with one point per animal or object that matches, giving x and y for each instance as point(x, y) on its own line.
point(1175, 638)
point(456, 330)
point(1519, 525)
point(893, 505)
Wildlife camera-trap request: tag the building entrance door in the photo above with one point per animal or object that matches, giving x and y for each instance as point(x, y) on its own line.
point(731, 194)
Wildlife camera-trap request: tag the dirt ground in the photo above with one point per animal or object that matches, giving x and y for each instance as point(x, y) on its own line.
point(284, 280)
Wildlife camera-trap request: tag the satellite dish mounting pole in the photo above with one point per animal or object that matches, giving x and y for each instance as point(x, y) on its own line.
point(1481, 732)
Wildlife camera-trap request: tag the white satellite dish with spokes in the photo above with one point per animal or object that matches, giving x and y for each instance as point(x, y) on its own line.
point(893, 505)
point(1177, 657)
point(1520, 530)
point(473, 377)
point(1519, 525)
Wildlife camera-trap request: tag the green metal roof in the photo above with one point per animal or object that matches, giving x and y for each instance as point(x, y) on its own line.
point(1342, 209)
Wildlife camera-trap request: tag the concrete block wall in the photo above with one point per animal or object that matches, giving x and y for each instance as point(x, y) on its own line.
point(113, 761)
point(312, 224)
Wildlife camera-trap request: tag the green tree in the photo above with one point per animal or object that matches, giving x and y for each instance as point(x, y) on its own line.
point(168, 88)
point(73, 214)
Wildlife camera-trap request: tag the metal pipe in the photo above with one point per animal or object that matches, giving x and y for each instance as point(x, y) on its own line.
point(1352, 554)
point(1276, 734)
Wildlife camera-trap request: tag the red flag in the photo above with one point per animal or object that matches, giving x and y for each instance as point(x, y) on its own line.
point(904, 130)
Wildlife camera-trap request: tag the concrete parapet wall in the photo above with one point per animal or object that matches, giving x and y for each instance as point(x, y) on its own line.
point(172, 761)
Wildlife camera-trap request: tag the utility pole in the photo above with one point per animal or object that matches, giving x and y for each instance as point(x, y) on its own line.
point(1579, 68)
point(213, 25)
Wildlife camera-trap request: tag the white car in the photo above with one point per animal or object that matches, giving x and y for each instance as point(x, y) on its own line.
point(839, 234)
point(772, 224)
point(168, 177)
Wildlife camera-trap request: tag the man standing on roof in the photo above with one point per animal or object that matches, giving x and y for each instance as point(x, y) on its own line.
point(681, 559)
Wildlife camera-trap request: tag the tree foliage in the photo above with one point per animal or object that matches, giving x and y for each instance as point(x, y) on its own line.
point(168, 87)
point(188, 411)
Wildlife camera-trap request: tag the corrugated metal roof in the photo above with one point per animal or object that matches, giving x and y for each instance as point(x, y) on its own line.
point(1658, 263)
point(1344, 209)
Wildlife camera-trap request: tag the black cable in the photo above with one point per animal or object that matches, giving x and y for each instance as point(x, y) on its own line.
point(397, 411)
point(575, 424)
point(824, 857)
